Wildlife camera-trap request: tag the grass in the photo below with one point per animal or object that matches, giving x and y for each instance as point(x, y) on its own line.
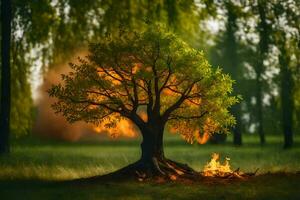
point(275, 187)
point(36, 169)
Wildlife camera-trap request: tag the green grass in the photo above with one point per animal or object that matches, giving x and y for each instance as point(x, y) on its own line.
point(35, 169)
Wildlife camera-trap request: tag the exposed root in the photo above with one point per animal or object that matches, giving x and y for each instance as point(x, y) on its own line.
point(160, 170)
point(164, 170)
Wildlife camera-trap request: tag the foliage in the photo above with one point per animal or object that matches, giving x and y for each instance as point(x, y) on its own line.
point(49, 32)
point(258, 53)
point(154, 70)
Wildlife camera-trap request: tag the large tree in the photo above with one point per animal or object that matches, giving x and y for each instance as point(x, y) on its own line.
point(5, 75)
point(152, 73)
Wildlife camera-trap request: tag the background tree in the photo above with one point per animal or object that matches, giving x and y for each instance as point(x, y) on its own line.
point(31, 25)
point(227, 53)
point(263, 29)
point(5, 76)
point(156, 71)
point(286, 37)
point(231, 54)
point(49, 32)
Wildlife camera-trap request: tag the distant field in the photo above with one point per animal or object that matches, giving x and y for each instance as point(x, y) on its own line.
point(44, 160)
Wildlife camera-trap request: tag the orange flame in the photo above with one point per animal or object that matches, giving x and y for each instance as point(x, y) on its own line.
point(209, 127)
point(123, 128)
point(215, 168)
point(144, 116)
point(202, 139)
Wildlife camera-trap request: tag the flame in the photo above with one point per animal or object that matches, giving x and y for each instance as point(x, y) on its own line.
point(143, 115)
point(209, 127)
point(123, 128)
point(202, 139)
point(215, 168)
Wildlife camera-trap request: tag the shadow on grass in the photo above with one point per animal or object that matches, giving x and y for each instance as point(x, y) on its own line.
point(268, 186)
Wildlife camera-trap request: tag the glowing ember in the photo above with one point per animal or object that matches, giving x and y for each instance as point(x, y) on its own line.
point(216, 169)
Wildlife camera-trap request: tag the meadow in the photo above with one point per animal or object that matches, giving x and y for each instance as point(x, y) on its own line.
point(39, 169)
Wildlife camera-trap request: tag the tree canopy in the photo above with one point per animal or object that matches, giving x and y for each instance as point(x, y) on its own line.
point(151, 72)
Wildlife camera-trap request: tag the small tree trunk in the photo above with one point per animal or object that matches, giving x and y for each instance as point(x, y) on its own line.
point(237, 130)
point(261, 132)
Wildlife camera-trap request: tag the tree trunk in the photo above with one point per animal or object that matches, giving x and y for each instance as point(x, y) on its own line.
point(231, 54)
point(152, 149)
point(152, 145)
point(259, 109)
point(237, 130)
point(5, 75)
point(153, 162)
point(286, 99)
point(263, 30)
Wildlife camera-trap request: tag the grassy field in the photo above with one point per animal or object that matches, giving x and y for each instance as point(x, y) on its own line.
point(36, 169)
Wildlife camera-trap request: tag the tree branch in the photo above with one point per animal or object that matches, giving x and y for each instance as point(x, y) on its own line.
point(156, 107)
point(186, 117)
point(181, 99)
point(169, 60)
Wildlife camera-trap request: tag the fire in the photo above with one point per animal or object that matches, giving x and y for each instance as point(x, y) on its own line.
point(123, 128)
point(202, 139)
point(216, 169)
point(143, 115)
point(209, 127)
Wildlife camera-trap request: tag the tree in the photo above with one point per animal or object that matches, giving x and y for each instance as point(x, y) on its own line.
point(55, 30)
point(29, 32)
point(286, 96)
point(152, 71)
point(231, 53)
point(263, 47)
point(286, 38)
point(227, 53)
point(5, 76)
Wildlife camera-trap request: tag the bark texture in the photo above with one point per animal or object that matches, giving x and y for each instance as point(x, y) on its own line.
point(153, 163)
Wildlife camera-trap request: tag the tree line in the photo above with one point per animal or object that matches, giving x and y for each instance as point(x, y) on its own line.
point(260, 49)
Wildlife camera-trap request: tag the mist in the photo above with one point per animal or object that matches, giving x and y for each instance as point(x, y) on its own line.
point(48, 124)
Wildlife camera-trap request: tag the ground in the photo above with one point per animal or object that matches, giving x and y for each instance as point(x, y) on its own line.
point(38, 169)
